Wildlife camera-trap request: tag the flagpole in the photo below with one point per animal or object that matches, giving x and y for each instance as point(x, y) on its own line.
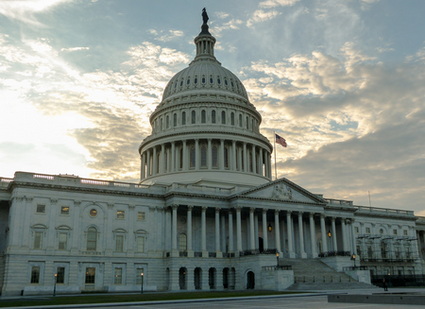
point(275, 163)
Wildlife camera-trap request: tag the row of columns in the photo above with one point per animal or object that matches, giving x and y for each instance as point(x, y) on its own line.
point(230, 155)
point(253, 232)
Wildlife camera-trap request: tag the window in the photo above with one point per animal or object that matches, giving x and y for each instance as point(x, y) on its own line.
point(60, 275)
point(356, 229)
point(223, 117)
point(368, 230)
point(90, 275)
point(203, 116)
point(141, 215)
point(38, 239)
point(174, 119)
point(35, 274)
point(182, 242)
point(394, 231)
point(214, 156)
point(192, 157)
point(213, 119)
point(63, 241)
point(64, 210)
point(183, 118)
point(140, 244)
point(91, 239)
point(240, 120)
point(120, 214)
point(203, 155)
point(405, 232)
point(232, 119)
point(119, 243)
point(118, 275)
point(193, 119)
point(41, 209)
point(167, 121)
point(226, 157)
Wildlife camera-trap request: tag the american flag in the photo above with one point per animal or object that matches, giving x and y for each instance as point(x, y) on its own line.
point(280, 140)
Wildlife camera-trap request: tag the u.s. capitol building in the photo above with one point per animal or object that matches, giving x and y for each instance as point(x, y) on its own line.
point(206, 214)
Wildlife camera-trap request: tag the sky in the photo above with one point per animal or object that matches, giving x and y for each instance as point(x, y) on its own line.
point(342, 81)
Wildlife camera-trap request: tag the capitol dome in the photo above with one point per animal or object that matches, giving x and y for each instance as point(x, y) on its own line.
point(205, 130)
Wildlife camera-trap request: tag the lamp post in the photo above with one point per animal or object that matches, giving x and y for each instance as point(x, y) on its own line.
point(141, 285)
point(277, 259)
point(54, 285)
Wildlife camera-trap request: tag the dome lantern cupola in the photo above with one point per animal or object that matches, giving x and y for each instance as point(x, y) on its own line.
point(205, 130)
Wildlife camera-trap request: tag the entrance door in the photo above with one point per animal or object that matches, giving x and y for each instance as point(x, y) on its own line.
point(250, 277)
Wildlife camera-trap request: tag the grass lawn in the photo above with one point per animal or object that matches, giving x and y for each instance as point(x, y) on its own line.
point(106, 298)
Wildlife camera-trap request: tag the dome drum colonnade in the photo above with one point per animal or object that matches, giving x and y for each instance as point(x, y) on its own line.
point(205, 124)
point(237, 231)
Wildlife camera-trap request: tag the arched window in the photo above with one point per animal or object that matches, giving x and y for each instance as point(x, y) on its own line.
point(174, 120)
point(223, 117)
point(182, 242)
point(160, 124)
point(203, 116)
point(192, 157)
point(240, 120)
point(167, 122)
point(91, 239)
point(232, 118)
point(203, 155)
point(247, 122)
point(183, 118)
point(213, 116)
point(193, 117)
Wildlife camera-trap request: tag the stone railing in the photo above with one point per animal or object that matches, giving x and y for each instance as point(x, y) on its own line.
point(335, 253)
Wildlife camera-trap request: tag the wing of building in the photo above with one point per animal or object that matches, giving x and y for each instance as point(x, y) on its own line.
point(206, 214)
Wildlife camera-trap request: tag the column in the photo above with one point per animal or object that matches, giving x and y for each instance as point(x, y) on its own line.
point(289, 231)
point(353, 239)
point(265, 236)
point(204, 232)
point(155, 162)
point(323, 232)
point(245, 159)
point(301, 235)
point(277, 231)
point(189, 231)
point(231, 248)
point(239, 153)
point(344, 235)
point(261, 171)
point(254, 160)
point(313, 236)
point(233, 155)
point(217, 233)
point(174, 250)
point(221, 160)
point(238, 231)
point(143, 163)
point(334, 235)
point(251, 229)
point(148, 165)
point(162, 160)
point(197, 161)
point(184, 159)
point(209, 155)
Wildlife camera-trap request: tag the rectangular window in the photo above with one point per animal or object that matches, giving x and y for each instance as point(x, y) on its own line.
point(90, 275)
point(41, 209)
point(119, 243)
point(118, 276)
point(64, 210)
point(141, 216)
point(368, 230)
point(35, 274)
point(405, 232)
point(38, 240)
point(63, 241)
point(139, 273)
point(60, 275)
point(120, 214)
point(395, 232)
point(140, 243)
point(356, 229)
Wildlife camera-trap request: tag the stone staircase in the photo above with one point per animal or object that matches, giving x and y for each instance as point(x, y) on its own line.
point(312, 274)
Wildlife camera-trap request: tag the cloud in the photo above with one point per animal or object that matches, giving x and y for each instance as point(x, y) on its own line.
point(25, 10)
point(166, 35)
point(277, 3)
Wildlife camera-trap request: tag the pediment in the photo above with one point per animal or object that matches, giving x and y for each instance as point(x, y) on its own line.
point(283, 190)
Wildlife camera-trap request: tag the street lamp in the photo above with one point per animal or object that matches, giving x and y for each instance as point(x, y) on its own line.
point(329, 234)
point(353, 257)
point(269, 228)
point(277, 258)
point(54, 286)
point(141, 285)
